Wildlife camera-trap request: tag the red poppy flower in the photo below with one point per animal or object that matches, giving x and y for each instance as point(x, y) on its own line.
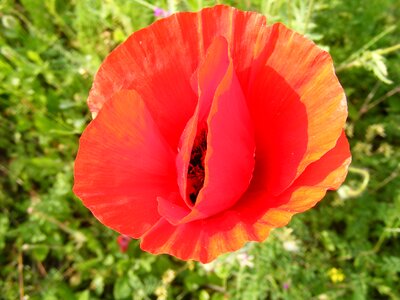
point(212, 129)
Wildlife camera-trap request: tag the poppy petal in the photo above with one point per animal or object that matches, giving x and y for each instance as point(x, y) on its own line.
point(297, 83)
point(281, 124)
point(201, 240)
point(228, 170)
point(209, 76)
point(327, 173)
point(123, 164)
point(204, 240)
point(147, 62)
point(206, 79)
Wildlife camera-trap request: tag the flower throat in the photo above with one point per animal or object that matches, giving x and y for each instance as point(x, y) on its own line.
point(196, 173)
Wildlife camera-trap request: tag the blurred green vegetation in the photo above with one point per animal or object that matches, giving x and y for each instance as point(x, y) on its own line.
point(52, 248)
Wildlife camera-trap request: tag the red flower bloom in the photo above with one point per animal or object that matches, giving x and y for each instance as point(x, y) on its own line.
point(123, 242)
point(212, 129)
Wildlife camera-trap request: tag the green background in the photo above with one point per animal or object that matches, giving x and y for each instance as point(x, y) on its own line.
point(51, 247)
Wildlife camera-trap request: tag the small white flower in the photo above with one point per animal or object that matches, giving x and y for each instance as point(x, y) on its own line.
point(291, 246)
point(209, 267)
point(245, 260)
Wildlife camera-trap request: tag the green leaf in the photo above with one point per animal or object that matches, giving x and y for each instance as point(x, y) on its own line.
point(3, 230)
point(122, 288)
point(85, 295)
point(40, 252)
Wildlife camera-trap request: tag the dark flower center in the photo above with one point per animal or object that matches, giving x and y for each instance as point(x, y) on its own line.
point(195, 176)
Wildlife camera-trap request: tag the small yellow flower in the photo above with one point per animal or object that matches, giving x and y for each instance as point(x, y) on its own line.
point(336, 275)
point(161, 293)
point(385, 149)
point(190, 265)
point(349, 130)
point(362, 148)
point(168, 276)
point(373, 131)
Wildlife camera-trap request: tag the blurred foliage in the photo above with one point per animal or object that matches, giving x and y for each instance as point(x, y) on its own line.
point(52, 248)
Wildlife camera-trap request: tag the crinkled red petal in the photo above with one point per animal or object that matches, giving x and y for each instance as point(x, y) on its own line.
point(298, 106)
point(159, 61)
point(229, 160)
point(123, 164)
point(254, 216)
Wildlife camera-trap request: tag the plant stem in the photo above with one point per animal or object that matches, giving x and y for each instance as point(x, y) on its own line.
point(365, 175)
point(172, 5)
point(308, 16)
point(353, 59)
point(383, 98)
point(388, 49)
point(21, 275)
point(146, 4)
point(371, 94)
point(77, 235)
point(388, 179)
point(239, 279)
